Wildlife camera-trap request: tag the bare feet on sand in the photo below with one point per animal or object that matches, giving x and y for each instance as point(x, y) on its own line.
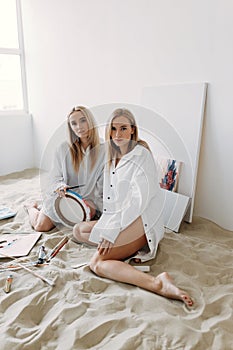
point(166, 288)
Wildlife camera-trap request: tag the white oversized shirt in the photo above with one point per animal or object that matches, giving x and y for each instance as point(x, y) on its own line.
point(131, 189)
point(63, 174)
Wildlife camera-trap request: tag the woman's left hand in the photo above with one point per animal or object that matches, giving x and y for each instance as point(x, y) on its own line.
point(104, 247)
point(61, 191)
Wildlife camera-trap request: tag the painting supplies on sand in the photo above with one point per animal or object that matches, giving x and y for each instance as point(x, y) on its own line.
point(7, 287)
point(51, 283)
point(57, 248)
point(41, 255)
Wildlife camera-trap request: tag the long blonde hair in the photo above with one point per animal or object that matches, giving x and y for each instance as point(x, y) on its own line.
point(74, 142)
point(113, 149)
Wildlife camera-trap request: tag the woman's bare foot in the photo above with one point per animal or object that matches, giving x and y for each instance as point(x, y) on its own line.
point(166, 288)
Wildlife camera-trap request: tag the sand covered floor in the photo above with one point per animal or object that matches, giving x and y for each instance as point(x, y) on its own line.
point(84, 311)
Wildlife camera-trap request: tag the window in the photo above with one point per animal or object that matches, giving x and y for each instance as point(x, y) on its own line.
point(12, 69)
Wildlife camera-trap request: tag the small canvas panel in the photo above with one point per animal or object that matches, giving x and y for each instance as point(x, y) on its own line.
point(17, 245)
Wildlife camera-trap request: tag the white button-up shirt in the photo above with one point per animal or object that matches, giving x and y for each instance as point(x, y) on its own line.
point(131, 189)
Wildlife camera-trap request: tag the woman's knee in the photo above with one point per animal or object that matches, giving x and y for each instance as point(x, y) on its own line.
point(82, 230)
point(43, 223)
point(76, 231)
point(79, 231)
point(43, 226)
point(95, 265)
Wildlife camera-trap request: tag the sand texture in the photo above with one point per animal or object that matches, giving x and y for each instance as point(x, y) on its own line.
point(84, 311)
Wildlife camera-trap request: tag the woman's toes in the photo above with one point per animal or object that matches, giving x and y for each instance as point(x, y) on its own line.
point(187, 300)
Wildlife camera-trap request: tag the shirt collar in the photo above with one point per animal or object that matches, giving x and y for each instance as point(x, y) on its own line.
point(85, 150)
point(137, 151)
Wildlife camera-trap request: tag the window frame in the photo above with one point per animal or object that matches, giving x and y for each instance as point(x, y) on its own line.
point(19, 52)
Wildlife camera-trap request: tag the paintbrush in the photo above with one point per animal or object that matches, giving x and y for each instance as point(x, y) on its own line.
point(70, 188)
point(57, 248)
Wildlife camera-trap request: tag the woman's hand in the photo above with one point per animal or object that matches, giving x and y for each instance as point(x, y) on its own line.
point(61, 191)
point(104, 247)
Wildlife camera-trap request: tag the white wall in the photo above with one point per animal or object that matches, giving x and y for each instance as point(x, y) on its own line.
point(94, 52)
point(16, 143)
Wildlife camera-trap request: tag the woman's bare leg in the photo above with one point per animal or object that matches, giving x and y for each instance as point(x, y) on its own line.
point(81, 232)
point(111, 265)
point(38, 220)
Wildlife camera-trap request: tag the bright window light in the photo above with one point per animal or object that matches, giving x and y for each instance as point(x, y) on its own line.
point(10, 83)
point(8, 24)
point(12, 72)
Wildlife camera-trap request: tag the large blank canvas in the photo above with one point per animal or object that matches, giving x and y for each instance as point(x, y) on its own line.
point(178, 121)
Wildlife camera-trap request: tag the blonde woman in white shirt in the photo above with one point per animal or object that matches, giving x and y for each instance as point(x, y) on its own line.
point(77, 162)
point(132, 222)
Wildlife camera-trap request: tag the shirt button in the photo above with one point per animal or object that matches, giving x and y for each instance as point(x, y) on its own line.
point(110, 185)
point(149, 240)
point(113, 172)
point(145, 225)
point(105, 209)
point(108, 197)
